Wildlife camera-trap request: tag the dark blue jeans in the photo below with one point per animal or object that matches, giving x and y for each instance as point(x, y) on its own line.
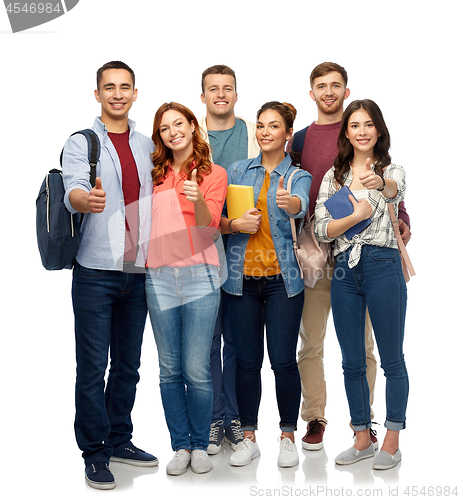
point(265, 305)
point(223, 370)
point(378, 283)
point(110, 312)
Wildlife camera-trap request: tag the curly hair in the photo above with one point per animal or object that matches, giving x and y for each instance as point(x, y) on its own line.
point(162, 156)
point(381, 155)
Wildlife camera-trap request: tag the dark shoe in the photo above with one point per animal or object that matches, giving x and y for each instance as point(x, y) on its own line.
point(216, 435)
point(132, 455)
point(234, 434)
point(313, 439)
point(98, 476)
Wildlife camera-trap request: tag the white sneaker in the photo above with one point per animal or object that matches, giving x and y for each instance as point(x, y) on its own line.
point(179, 463)
point(244, 453)
point(201, 463)
point(288, 456)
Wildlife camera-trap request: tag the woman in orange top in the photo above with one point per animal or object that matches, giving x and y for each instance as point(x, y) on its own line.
point(264, 292)
point(182, 282)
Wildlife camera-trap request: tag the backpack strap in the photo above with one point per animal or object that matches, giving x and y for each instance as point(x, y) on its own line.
point(297, 145)
point(94, 151)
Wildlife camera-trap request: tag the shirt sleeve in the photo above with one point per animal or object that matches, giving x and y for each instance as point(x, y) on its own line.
point(322, 215)
point(300, 188)
point(75, 168)
point(397, 174)
point(214, 192)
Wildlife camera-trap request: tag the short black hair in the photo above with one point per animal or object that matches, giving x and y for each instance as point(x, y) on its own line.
point(114, 65)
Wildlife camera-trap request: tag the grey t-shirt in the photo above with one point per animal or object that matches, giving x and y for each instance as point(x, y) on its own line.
point(229, 145)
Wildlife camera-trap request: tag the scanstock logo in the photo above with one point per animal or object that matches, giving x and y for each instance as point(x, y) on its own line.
point(28, 14)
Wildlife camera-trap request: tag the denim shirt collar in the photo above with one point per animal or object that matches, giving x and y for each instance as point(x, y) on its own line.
point(100, 127)
point(280, 169)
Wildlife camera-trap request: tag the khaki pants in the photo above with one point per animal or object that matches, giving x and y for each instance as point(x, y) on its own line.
point(315, 313)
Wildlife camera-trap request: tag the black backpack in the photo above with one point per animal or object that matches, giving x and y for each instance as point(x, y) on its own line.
point(58, 231)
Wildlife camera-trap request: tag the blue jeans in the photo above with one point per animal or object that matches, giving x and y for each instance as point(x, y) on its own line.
point(265, 303)
point(183, 304)
point(223, 370)
point(378, 283)
point(110, 312)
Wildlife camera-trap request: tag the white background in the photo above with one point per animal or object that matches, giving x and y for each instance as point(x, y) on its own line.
point(402, 54)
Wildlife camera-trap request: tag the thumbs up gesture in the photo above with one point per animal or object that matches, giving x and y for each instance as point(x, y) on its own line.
point(282, 195)
point(369, 179)
point(96, 198)
point(192, 190)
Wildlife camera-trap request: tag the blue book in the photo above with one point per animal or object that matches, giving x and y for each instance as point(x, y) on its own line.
point(340, 206)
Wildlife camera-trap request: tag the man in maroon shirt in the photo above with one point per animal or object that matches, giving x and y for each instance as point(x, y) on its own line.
point(329, 90)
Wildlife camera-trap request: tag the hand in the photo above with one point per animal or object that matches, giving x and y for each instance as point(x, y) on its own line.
point(282, 195)
point(405, 232)
point(96, 198)
point(248, 222)
point(361, 209)
point(192, 190)
point(369, 179)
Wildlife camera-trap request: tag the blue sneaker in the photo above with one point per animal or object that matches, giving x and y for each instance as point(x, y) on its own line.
point(98, 476)
point(234, 434)
point(132, 455)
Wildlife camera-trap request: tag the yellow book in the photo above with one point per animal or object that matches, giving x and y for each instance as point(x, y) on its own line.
point(239, 199)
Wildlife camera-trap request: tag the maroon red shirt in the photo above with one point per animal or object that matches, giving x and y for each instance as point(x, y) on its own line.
point(131, 188)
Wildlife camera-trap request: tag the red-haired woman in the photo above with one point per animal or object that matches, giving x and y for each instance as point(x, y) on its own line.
point(182, 280)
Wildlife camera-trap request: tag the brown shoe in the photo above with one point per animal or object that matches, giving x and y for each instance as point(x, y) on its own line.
point(313, 439)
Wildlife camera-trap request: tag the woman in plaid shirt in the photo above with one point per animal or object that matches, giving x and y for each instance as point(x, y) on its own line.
point(368, 273)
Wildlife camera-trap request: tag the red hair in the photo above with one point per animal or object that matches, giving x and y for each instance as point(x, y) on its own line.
point(162, 156)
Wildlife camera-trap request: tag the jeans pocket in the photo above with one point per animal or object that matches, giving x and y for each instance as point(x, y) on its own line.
point(382, 254)
point(86, 272)
point(209, 274)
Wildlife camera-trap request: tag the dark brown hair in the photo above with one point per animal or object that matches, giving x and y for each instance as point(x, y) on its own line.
point(381, 154)
point(286, 110)
point(162, 156)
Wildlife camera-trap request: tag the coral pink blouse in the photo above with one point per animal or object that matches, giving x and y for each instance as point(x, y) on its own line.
point(175, 240)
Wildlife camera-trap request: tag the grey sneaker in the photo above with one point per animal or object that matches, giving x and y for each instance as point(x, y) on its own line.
point(352, 455)
point(216, 435)
point(201, 463)
point(385, 460)
point(234, 434)
point(179, 463)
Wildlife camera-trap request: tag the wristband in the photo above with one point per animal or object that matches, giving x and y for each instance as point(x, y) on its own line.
point(230, 227)
point(384, 183)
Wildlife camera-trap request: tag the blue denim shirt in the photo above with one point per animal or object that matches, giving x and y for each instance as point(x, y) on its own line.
point(103, 235)
point(252, 173)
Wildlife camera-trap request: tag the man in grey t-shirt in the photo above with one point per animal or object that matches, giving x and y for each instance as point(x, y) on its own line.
point(231, 138)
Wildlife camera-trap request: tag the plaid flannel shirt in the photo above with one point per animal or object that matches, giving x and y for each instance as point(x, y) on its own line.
point(379, 232)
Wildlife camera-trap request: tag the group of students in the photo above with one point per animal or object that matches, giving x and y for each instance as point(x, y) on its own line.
point(152, 242)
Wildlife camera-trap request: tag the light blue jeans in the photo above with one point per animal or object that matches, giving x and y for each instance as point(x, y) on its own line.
point(183, 304)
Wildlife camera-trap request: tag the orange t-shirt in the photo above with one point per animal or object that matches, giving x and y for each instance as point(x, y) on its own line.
point(260, 258)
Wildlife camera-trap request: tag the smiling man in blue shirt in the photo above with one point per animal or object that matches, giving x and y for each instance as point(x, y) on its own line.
point(108, 291)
